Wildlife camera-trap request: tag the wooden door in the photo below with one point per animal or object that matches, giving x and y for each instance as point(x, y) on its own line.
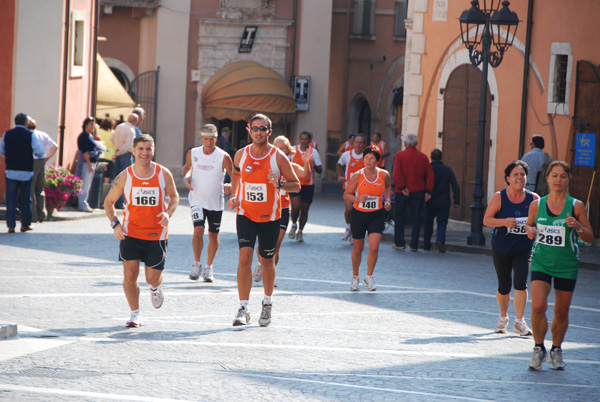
point(461, 122)
point(587, 120)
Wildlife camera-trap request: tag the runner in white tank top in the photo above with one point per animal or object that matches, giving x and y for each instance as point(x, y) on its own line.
point(204, 172)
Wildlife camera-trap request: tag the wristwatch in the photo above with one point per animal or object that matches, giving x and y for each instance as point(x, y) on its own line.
point(580, 230)
point(280, 183)
point(114, 223)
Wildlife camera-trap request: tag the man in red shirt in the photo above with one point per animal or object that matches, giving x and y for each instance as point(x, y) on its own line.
point(413, 181)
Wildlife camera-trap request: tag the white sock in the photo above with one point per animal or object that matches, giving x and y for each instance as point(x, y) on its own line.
point(244, 304)
point(294, 225)
point(209, 266)
point(522, 319)
point(135, 311)
point(347, 226)
point(267, 300)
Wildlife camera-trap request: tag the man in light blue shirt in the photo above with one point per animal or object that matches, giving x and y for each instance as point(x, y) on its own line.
point(535, 160)
point(18, 146)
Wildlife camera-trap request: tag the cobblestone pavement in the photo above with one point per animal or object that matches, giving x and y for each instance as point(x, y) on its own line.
point(425, 334)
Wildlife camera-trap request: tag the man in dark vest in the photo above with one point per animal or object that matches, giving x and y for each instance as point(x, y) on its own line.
point(18, 145)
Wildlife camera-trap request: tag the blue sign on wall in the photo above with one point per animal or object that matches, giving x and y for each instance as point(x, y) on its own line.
point(585, 149)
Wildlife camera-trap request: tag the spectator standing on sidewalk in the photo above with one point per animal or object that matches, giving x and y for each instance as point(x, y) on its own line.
point(18, 146)
point(38, 197)
point(141, 114)
point(144, 231)
point(536, 159)
point(414, 181)
point(86, 161)
point(511, 249)
point(438, 206)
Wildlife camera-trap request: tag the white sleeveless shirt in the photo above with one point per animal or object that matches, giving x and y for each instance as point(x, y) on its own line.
point(207, 179)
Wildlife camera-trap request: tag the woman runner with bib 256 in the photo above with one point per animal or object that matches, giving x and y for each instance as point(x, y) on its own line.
point(555, 221)
point(369, 189)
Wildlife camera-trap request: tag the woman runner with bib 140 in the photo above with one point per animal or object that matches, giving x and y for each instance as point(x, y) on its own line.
point(511, 249)
point(555, 221)
point(369, 189)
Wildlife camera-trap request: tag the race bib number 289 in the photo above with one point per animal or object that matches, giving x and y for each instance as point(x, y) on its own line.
point(145, 196)
point(551, 235)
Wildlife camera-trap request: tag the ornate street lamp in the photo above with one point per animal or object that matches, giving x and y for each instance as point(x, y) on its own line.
point(485, 26)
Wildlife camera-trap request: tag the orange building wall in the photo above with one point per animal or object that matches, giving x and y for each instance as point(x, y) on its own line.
point(122, 33)
point(552, 22)
point(7, 33)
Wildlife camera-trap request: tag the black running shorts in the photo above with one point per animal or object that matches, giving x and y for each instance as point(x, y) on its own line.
point(267, 233)
point(152, 253)
point(199, 215)
point(366, 222)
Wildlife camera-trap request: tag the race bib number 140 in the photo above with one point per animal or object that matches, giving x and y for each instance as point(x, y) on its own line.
point(145, 196)
point(372, 203)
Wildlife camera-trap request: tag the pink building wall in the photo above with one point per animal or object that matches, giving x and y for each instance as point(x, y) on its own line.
point(7, 33)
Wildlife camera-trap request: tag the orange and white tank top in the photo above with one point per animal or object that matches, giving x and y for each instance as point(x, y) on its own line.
point(353, 166)
point(259, 199)
point(145, 200)
point(348, 147)
point(374, 190)
point(284, 197)
point(298, 160)
point(381, 147)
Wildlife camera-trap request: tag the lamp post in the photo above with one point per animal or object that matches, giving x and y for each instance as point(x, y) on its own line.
point(486, 26)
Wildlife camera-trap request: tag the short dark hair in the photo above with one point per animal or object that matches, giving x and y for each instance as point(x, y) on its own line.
point(513, 165)
point(143, 138)
point(307, 133)
point(87, 121)
point(107, 124)
point(538, 141)
point(262, 117)
point(21, 119)
point(377, 133)
point(436, 155)
point(373, 149)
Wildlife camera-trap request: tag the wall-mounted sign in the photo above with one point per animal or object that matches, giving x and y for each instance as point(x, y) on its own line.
point(247, 39)
point(301, 92)
point(585, 149)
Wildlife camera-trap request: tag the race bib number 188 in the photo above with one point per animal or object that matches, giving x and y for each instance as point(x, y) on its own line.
point(551, 235)
point(145, 196)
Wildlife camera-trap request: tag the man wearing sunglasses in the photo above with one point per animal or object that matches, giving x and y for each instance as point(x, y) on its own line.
point(259, 171)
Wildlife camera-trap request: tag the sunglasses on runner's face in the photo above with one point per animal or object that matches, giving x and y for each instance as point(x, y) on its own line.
point(261, 128)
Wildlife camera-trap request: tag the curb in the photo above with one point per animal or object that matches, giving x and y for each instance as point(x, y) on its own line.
point(8, 331)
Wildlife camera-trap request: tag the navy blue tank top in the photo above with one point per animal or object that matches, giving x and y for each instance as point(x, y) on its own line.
point(512, 241)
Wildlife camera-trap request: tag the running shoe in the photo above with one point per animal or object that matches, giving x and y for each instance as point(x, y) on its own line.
point(556, 359)
point(398, 247)
point(292, 234)
point(196, 269)
point(265, 316)
point(299, 237)
point(257, 275)
point(157, 297)
point(207, 274)
point(135, 321)
point(347, 235)
point(354, 284)
point(242, 317)
point(538, 356)
point(370, 283)
point(521, 328)
point(501, 325)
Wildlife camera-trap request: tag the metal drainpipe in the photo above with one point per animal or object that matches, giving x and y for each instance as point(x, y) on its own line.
point(525, 93)
point(95, 58)
point(63, 105)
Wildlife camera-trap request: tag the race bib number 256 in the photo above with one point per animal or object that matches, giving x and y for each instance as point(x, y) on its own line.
point(145, 196)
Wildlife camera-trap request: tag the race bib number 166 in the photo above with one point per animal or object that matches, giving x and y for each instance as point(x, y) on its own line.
point(144, 196)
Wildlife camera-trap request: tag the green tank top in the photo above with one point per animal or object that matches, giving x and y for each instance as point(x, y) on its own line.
point(555, 251)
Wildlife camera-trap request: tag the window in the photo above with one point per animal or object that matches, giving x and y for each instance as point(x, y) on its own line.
point(559, 82)
point(78, 42)
point(364, 19)
point(399, 27)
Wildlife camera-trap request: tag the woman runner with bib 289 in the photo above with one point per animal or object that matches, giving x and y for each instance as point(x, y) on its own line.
point(555, 221)
point(369, 189)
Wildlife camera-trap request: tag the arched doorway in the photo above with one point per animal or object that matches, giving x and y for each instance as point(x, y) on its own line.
point(359, 116)
point(461, 122)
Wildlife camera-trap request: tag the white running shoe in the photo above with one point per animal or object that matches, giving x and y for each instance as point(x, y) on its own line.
point(299, 237)
point(196, 269)
point(157, 297)
point(370, 283)
point(292, 234)
point(242, 317)
point(257, 275)
point(135, 321)
point(347, 235)
point(521, 328)
point(539, 355)
point(501, 325)
point(265, 315)
point(354, 284)
point(555, 357)
point(207, 274)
